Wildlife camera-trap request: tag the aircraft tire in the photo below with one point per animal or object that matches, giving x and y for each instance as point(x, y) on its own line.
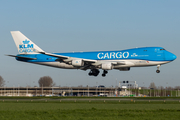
point(90, 74)
point(157, 71)
point(94, 72)
point(105, 72)
point(103, 75)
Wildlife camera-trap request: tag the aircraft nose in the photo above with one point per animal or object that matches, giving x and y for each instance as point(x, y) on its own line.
point(174, 57)
point(170, 56)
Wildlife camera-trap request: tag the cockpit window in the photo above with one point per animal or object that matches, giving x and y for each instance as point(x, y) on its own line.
point(162, 49)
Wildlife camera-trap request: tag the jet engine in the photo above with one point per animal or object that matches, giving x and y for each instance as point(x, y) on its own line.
point(78, 62)
point(107, 66)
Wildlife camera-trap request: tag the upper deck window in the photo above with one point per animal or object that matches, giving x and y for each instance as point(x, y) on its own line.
point(162, 49)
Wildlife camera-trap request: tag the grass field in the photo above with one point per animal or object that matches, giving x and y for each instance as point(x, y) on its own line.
point(85, 97)
point(94, 110)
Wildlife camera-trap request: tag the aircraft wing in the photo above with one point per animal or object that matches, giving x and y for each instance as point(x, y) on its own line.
point(54, 55)
point(28, 58)
point(89, 64)
point(67, 58)
point(119, 63)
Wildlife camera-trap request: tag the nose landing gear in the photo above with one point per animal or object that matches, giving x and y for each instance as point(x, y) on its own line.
point(158, 70)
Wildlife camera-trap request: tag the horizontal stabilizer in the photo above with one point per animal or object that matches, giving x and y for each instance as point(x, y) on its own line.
point(28, 58)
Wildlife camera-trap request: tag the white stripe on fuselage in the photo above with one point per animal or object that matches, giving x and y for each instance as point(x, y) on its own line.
point(128, 63)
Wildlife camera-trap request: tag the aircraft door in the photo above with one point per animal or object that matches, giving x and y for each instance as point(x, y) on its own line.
point(159, 54)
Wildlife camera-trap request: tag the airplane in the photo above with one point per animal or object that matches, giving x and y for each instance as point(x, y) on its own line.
point(121, 60)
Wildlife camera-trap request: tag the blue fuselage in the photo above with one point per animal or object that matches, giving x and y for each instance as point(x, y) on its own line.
point(145, 53)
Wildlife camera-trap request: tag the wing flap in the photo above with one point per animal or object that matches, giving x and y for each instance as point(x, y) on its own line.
point(122, 63)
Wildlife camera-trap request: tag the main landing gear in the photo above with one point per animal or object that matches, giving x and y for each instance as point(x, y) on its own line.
point(94, 72)
point(104, 73)
point(158, 70)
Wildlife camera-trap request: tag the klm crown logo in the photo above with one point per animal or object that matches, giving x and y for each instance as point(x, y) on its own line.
point(26, 41)
point(26, 47)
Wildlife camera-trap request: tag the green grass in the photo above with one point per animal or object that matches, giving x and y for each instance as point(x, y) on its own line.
point(94, 110)
point(75, 97)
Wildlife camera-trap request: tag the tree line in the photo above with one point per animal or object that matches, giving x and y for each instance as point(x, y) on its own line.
point(45, 81)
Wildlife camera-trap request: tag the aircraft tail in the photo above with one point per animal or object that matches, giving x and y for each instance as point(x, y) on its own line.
point(24, 45)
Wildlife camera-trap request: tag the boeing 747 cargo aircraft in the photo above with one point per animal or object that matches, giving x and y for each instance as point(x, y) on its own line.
point(121, 60)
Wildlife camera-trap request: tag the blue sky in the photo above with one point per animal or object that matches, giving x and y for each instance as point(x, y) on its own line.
point(63, 26)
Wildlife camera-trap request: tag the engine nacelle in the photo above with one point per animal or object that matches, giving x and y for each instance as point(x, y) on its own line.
point(124, 69)
point(107, 66)
point(78, 62)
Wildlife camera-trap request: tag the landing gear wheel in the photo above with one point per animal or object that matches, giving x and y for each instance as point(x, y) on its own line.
point(90, 74)
point(94, 72)
point(105, 72)
point(103, 75)
point(157, 71)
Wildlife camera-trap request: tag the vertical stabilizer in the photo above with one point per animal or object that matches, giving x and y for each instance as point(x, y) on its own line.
point(24, 45)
